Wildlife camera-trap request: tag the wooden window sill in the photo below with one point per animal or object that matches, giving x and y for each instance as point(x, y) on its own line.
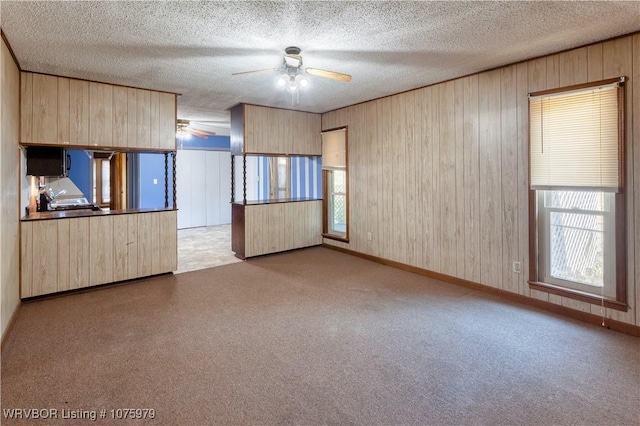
point(335, 237)
point(579, 295)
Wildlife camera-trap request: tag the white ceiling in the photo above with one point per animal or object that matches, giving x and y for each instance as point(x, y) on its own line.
point(193, 47)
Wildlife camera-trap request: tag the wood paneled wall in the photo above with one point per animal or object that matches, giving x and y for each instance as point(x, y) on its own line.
point(9, 164)
point(439, 175)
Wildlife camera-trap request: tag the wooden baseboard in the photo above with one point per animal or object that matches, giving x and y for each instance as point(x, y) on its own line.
point(7, 331)
point(620, 326)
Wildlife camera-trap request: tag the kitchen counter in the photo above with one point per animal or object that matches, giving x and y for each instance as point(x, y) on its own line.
point(68, 214)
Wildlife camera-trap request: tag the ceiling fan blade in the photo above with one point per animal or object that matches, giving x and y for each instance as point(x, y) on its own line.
point(254, 71)
point(329, 74)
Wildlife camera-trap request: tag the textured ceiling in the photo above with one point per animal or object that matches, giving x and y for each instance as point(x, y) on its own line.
point(193, 47)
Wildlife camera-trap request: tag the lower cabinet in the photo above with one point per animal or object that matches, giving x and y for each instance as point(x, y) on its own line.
point(65, 254)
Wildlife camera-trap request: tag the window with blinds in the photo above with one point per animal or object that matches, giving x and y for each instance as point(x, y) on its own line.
point(578, 221)
point(575, 139)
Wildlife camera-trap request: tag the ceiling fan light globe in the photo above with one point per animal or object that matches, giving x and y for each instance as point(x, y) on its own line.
point(292, 86)
point(282, 80)
point(302, 81)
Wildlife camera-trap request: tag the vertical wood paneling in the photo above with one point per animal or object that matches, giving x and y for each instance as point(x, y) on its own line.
point(460, 259)
point(26, 107)
point(594, 62)
point(398, 224)
point(132, 248)
point(387, 177)
point(120, 248)
point(429, 200)
point(447, 179)
point(78, 112)
point(64, 253)
point(45, 257)
point(522, 117)
point(167, 117)
point(155, 246)
point(154, 119)
point(120, 116)
point(434, 125)
point(100, 250)
point(471, 180)
point(79, 253)
point(145, 230)
point(63, 110)
point(410, 179)
point(508, 179)
point(26, 259)
point(45, 106)
point(168, 225)
point(420, 201)
point(100, 114)
point(132, 117)
point(490, 180)
point(143, 118)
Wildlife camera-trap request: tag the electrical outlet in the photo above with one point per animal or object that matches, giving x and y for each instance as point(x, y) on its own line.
point(517, 267)
point(155, 181)
point(369, 236)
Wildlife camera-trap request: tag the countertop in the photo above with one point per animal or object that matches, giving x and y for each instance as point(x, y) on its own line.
point(69, 214)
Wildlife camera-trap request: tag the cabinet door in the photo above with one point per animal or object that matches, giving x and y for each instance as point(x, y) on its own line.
point(167, 119)
point(26, 107)
point(45, 109)
point(63, 111)
point(63, 249)
point(26, 259)
point(78, 112)
point(100, 114)
point(79, 253)
point(100, 250)
point(120, 117)
point(45, 257)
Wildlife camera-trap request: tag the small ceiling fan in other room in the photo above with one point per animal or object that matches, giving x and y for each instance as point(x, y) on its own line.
point(292, 76)
point(185, 128)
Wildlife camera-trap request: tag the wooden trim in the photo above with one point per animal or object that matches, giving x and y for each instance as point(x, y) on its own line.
point(107, 149)
point(10, 325)
point(487, 70)
point(13, 55)
point(576, 87)
point(533, 240)
point(609, 323)
point(284, 109)
point(333, 237)
point(238, 230)
point(104, 82)
point(578, 295)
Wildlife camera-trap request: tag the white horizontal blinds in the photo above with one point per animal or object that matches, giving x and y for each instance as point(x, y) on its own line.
point(574, 140)
point(334, 149)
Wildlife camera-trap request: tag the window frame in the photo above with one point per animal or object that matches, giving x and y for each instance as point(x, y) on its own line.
point(536, 280)
point(326, 195)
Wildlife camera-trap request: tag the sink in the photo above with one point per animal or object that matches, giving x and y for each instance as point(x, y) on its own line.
point(69, 202)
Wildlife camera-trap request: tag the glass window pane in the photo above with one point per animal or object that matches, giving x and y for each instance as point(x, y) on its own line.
point(573, 200)
point(577, 247)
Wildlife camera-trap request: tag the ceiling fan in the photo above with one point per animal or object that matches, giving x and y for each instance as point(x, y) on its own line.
point(185, 127)
point(292, 76)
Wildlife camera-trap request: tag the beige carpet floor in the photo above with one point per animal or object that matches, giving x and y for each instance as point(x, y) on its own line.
point(315, 337)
